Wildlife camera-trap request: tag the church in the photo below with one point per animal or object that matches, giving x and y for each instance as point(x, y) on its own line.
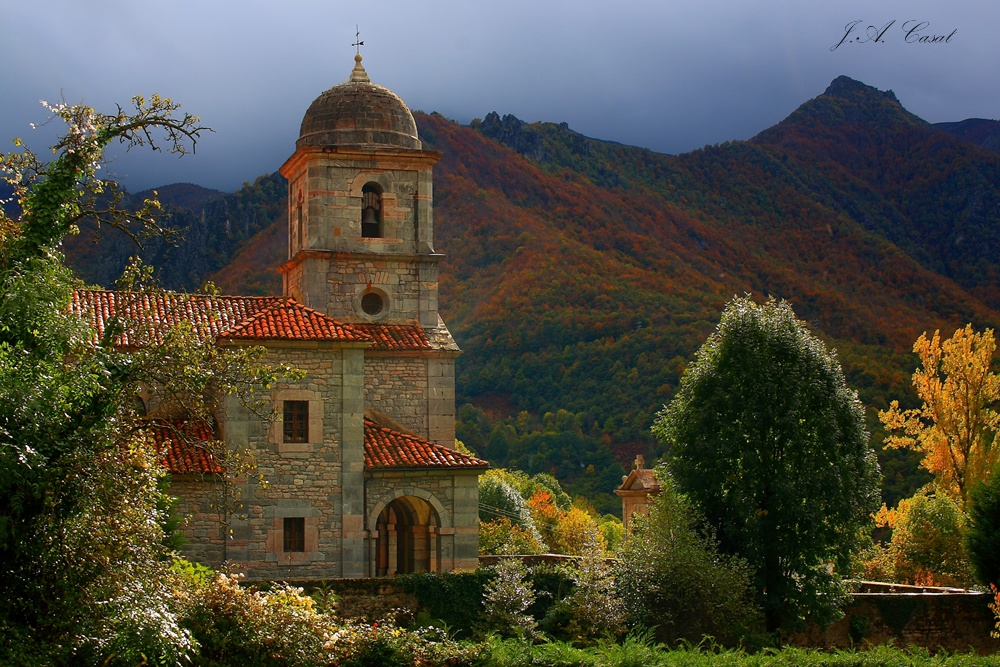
point(358, 475)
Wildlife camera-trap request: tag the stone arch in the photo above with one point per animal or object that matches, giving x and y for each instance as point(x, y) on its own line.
point(383, 180)
point(444, 516)
point(406, 537)
point(366, 185)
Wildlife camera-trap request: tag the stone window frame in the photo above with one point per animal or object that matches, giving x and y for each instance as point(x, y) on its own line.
point(384, 182)
point(276, 435)
point(387, 306)
point(276, 538)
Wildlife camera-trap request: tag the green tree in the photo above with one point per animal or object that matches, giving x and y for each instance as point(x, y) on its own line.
point(983, 534)
point(768, 441)
point(82, 564)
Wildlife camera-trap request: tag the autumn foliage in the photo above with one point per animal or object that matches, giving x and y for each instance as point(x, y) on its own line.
point(956, 427)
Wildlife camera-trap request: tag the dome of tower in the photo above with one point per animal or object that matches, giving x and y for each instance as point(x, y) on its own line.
point(358, 113)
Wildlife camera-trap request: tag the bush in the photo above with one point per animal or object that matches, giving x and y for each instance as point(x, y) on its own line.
point(594, 609)
point(501, 536)
point(506, 599)
point(456, 598)
point(254, 628)
point(927, 547)
point(672, 578)
point(385, 645)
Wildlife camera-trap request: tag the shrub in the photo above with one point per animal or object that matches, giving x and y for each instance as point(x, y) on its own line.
point(254, 628)
point(456, 598)
point(385, 645)
point(594, 609)
point(498, 497)
point(506, 600)
point(927, 547)
point(673, 579)
point(501, 536)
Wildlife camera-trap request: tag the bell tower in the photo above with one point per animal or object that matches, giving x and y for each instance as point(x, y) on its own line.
point(361, 250)
point(360, 217)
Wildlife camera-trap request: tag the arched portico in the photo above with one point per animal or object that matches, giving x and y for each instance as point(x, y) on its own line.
point(406, 537)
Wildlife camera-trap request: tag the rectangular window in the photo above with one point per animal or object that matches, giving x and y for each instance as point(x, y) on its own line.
point(295, 534)
point(296, 421)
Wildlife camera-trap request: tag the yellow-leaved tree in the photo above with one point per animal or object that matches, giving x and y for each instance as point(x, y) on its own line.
point(956, 427)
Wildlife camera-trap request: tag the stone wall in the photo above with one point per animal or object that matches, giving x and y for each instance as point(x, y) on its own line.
point(313, 480)
point(934, 619)
point(398, 387)
point(201, 522)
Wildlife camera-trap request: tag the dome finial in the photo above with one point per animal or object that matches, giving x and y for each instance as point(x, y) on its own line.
point(358, 74)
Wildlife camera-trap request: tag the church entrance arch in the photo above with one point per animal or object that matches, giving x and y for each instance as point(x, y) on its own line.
point(407, 537)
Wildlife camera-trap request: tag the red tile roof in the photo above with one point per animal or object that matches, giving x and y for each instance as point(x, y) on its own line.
point(184, 446)
point(395, 337)
point(146, 316)
point(386, 448)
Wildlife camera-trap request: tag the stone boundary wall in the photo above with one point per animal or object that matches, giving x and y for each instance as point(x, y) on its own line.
point(949, 619)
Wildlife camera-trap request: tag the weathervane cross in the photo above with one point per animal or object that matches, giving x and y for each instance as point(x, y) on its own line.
point(357, 39)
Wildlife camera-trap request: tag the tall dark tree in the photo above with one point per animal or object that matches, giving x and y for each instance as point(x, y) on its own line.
point(983, 536)
point(767, 439)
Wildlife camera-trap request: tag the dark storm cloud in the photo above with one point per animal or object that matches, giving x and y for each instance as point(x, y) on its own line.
point(670, 77)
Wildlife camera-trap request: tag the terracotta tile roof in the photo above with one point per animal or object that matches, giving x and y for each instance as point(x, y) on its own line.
point(294, 321)
point(386, 448)
point(395, 337)
point(183, 446)
point(234, 317)
point(185, 450)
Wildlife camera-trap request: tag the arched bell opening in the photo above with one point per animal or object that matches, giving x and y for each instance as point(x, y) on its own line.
point(407, 538)
point(371, 211)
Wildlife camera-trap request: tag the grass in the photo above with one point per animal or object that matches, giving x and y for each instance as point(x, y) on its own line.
point(639, 651)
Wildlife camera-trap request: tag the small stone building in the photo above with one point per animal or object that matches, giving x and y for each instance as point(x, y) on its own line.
point(361, 474)
point(638, 490)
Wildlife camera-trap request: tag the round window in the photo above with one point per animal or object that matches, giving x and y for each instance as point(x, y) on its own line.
point(372, 303)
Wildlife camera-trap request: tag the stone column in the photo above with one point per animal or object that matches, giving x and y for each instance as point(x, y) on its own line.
point(433, 564)
point(393, 549)
point(353, 561)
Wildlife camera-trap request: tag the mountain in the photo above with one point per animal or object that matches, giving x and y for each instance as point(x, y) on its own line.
point(183, 195)
point(211, 227)
point(980, 131)
point(582, 275)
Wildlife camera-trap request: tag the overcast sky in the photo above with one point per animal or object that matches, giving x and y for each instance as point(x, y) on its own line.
point(671, 76)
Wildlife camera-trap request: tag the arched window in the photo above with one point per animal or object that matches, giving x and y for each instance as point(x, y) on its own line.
point(371, 211)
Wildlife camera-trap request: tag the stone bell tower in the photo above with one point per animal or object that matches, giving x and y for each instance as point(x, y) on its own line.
point(361, 248)
point(360, 218)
